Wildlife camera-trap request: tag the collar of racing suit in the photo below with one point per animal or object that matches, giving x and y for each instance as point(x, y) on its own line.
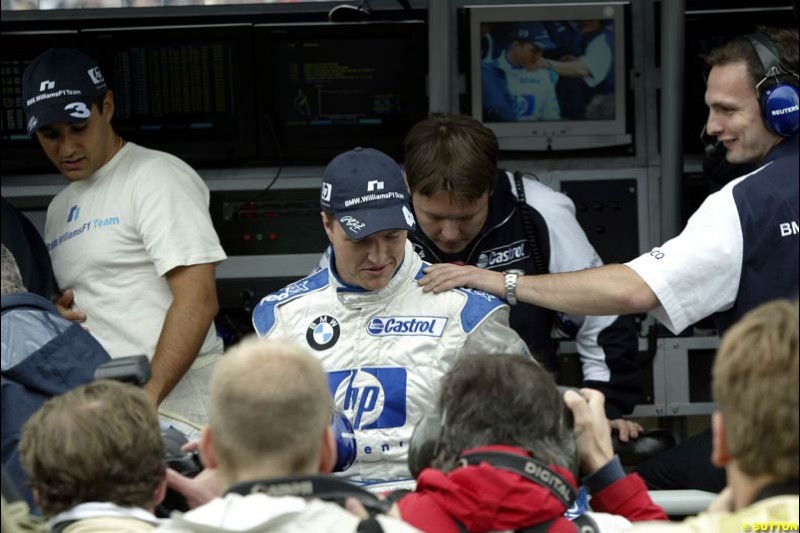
point(357, 297)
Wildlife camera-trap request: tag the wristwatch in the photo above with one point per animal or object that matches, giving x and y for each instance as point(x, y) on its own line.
point(511, 276)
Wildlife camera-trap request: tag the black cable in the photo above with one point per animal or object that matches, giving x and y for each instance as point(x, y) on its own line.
point(277, 144)
point(527, 224)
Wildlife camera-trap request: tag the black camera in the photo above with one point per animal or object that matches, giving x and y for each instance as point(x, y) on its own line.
point(185, 463)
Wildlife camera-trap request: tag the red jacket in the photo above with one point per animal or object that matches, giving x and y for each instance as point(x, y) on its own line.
point(484, 498)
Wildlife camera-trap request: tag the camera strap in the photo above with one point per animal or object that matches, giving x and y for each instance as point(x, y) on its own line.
point(327, 488)
point(527, 467)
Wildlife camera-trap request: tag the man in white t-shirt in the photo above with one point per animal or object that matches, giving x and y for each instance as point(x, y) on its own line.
point(130, 237)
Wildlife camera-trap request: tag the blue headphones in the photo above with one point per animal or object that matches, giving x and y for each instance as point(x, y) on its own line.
point(778, 90)
point(346, 449)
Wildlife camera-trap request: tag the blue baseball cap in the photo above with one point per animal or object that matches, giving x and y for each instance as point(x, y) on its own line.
point(366, 191)
point(60, 86)
point(535, 33)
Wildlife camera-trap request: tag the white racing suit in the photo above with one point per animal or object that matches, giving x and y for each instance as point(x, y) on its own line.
point(386, 351)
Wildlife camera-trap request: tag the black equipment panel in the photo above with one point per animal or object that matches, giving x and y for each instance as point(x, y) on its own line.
point(607, 211)
point(280, 222)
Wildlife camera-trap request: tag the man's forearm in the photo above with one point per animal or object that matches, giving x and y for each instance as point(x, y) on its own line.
point(570, 69)
point(606, 290)
point(185, 328)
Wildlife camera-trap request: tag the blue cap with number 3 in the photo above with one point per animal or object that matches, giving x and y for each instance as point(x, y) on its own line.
point(60, 86)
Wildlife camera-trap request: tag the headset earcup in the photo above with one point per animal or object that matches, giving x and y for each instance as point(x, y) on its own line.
point(424, 444)
point(346, 448)
point(779, 105)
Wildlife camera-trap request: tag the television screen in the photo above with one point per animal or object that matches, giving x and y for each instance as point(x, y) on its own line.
point(184, 90)
point(22, 153)
point(550, 76)
point(327, 88)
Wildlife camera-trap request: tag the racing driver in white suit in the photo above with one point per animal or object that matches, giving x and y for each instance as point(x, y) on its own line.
point(383, 341)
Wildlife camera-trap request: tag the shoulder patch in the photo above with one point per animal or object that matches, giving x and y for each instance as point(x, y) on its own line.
point(421, 271)
point(264, 313)
point(479, 305)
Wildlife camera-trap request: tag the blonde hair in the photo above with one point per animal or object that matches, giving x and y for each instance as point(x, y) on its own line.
point(269, 402)
point(755, 384)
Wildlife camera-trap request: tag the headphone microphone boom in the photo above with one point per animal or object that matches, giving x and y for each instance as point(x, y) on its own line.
point(711, 146)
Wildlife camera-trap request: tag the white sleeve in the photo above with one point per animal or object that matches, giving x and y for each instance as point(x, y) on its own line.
point(598, 60)
point(570, 250)
point(171, 206)
point(697, 273)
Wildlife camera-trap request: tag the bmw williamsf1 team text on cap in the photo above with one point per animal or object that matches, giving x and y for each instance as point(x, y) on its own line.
point(366, 191)
point(60, 86)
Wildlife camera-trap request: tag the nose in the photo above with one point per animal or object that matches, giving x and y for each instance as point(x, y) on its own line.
point(450, 231)
point(378, 252)
point(66, 145)
point(714, 126)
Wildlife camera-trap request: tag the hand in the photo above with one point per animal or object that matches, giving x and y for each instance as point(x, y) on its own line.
point(357, 508)
point(445, 276)
point(192, 445)
point(627, 429)
point(198, 490)
point(723, 503)
point(538, 64)
point(591, 427)
point(64, 304)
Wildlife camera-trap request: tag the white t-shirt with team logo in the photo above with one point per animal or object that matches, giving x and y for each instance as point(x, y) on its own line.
point(113, 237)
point(533, 93)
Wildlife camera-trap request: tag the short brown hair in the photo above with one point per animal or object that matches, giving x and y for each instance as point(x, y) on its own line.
point(452, 153)
point(755, 384)
point(100, 442)
point(739, 49)
point(503, 399)
point(269, 401)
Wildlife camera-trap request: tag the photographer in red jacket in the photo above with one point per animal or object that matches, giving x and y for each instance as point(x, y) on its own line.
point(505, 456)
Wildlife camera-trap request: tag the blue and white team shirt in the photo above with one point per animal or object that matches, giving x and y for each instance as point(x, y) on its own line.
point(533, 93)
point(739, 249)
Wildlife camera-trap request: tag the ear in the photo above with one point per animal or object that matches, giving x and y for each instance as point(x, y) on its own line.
point(719, 448)
point(327, 223)
point(327, 456)
point(108, 106)
point(161, 492)
point(208, 454)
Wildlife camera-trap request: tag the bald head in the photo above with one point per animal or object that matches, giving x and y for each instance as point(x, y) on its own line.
point(270, 405)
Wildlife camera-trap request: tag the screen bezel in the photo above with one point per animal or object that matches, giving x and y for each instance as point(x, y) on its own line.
point(532, 135)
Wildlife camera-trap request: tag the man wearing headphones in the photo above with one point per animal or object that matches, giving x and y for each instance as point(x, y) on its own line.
point(738, 250)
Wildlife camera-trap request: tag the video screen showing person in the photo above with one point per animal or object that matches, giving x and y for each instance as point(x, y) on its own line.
point(548, 71)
